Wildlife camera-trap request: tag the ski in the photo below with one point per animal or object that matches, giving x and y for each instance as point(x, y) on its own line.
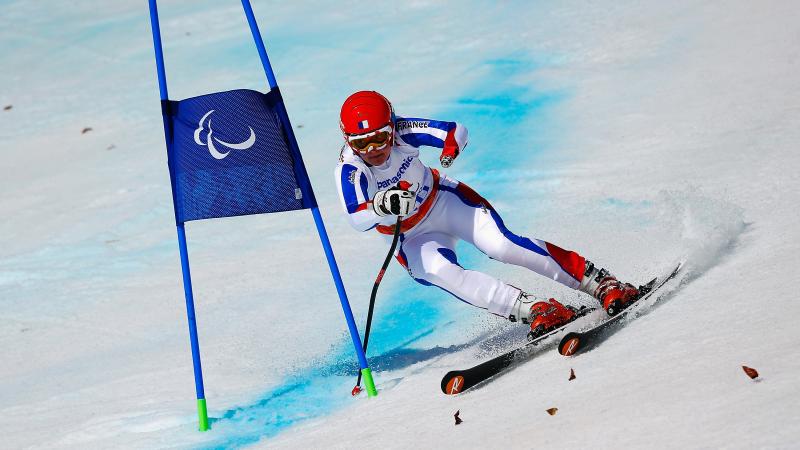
point(574, 342)
point(457, 381)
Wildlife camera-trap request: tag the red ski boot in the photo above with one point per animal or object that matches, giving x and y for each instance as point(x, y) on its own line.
point(547, 316)
point(610, 292)
point(543, 316)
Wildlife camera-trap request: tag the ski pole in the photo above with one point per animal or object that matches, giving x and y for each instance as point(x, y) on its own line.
point(395, 238)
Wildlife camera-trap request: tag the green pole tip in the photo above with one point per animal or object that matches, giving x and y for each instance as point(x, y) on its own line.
point(202, 414)
point(366, 374)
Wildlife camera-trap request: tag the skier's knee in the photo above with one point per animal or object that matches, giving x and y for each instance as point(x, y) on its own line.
point(497, 249)
point(435, 270)
point(439, 273)
point(428, 277)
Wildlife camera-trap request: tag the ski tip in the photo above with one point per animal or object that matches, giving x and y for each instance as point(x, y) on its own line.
point(569, 344)
point(678, 268)
point(452, 384)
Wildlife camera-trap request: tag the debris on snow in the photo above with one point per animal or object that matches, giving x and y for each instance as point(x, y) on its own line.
point(752, 373)
point(86, 130)
point(552, 411)
point(7, 107)
point(458, 419)
point(572, 374)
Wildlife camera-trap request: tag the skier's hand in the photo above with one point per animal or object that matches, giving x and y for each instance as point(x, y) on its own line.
point(397, 200)
point(449, 154)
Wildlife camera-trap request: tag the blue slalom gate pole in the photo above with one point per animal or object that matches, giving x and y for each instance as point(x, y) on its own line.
point(202, 411)
point(308, 192)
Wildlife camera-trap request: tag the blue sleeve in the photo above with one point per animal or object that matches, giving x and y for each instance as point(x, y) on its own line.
point(417, 132)
point(354, 196)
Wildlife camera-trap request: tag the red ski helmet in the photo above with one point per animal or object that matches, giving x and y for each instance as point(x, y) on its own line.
point(365, 112)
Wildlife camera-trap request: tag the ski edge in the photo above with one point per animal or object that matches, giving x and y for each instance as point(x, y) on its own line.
point(457, 381)
point(571, 343)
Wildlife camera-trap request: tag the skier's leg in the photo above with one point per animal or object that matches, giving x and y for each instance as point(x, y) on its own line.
point(474, 220)
point(431, 260)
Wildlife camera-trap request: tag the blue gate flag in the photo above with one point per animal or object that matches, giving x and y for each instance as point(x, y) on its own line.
point(230, 156)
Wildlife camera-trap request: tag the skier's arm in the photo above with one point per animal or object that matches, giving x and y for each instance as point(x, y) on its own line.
point(352, 183)
point(451, 137)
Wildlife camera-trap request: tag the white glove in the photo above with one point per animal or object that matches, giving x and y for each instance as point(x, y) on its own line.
point(394, 201)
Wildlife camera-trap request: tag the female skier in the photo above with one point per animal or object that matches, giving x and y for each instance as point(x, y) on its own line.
point(380, 177)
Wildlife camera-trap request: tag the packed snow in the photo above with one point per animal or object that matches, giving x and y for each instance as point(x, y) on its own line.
point(638, 133)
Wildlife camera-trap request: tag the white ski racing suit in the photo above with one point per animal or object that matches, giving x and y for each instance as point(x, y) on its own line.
point(445, 211)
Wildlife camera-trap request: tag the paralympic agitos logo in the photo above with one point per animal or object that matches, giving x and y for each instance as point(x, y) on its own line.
point(210, 140)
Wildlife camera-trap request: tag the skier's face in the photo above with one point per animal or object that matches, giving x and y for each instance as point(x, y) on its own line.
point(376, 157)
point(373, 147)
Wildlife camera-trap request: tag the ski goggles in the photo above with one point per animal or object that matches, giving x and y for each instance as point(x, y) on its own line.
point(374, 140)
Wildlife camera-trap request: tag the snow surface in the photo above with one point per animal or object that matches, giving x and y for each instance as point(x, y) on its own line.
point(635, 132)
